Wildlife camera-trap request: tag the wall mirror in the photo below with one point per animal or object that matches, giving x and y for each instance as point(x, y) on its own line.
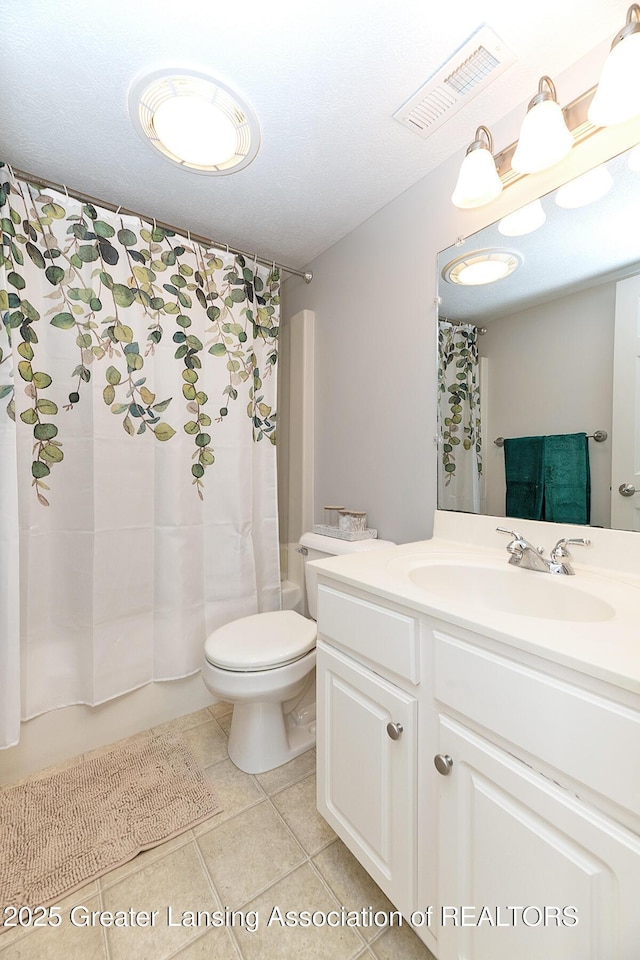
point(552, 348)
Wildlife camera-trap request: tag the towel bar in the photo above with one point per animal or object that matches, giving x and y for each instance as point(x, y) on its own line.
point(599, 436)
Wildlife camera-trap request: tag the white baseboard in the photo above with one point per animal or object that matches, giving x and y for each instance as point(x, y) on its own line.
point(70, 731)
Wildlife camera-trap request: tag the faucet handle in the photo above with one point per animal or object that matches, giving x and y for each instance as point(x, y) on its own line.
point(516, 546)
point(510, 533)
point(560, 551)
point(518, 542)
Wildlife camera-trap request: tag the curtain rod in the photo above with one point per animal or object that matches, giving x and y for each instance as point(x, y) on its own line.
point(460, 323)
point(307, 276)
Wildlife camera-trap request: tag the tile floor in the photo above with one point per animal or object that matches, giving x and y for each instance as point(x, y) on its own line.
point(269, 848)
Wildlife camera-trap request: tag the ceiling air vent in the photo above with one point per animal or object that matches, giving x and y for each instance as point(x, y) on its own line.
point(477, 64)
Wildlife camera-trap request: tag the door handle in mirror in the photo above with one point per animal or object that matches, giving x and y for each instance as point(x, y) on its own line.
point(626, 489)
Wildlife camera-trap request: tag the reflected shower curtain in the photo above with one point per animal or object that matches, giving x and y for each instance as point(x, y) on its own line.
point(459, 428)
point(137, 459)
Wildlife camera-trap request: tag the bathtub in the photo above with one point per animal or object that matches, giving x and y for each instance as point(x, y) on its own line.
point(291, 596)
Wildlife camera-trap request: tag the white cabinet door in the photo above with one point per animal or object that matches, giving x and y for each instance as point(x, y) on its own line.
point(366, 780)
point(526, 870)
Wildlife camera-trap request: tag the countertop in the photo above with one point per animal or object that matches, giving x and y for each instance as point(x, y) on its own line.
point(607, 649)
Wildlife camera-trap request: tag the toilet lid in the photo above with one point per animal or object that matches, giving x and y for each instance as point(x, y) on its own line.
point(261, 642)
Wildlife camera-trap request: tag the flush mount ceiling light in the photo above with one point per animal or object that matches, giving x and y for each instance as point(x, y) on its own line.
point(481, 266)
point(194, 121)
point(618, 95)
point(545, 138)
point(478, 180)
point(523, 221)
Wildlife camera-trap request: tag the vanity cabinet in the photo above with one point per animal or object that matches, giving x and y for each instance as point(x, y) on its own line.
point(540, 775)
point(367, 739)
point(545, 874)
point(509, 802)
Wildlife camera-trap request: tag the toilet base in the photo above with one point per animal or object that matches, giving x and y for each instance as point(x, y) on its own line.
point(262, 737)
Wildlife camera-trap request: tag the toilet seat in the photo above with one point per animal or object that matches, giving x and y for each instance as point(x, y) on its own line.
point(263, 641)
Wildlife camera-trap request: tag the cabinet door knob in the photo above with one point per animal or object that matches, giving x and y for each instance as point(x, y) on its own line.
point(394, 730)
point(443, 763)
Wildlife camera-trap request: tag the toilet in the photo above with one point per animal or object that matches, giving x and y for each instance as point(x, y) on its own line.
point(263, 662)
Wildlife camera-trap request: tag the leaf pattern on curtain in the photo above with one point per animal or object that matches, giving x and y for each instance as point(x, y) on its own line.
point(459, 396)
point(201, 307)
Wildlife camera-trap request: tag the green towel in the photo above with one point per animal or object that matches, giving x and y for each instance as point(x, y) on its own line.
point(548, 478)
point(567, 478)
point(524, 471)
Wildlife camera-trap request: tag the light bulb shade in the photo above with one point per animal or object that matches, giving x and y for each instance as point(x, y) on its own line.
point(483, 272)
point(523, 221)
point(544, 139)
point(587, 188)
point(478, 180)
point(196, 130)
point(617, 97)
point(633, 159)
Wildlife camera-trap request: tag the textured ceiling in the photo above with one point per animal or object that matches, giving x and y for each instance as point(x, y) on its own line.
point(324, 80)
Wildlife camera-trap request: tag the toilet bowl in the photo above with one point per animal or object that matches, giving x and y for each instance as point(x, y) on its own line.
point(263, 662)
point(257, 663)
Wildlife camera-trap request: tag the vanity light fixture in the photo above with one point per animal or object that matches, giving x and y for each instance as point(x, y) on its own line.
point(545, 138)
point(548, 132)
point(523, 221)
point(478, 267)
point(585, 189)
point(194, 121)
point(478, 180)
point(617, 97)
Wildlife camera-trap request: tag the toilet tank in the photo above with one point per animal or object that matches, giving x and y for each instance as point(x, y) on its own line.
point(319, 547)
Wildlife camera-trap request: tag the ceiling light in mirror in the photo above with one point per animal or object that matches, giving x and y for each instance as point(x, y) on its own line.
point(479, 267)
point(194, 121)
point(523, 221)
point(544, 138)
point(585, 189)
point(617, 97)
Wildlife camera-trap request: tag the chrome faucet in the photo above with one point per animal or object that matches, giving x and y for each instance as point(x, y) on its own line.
point(525, 555)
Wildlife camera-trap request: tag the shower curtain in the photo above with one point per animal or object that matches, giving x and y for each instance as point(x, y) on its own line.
point(459, 428)
point(137, 460)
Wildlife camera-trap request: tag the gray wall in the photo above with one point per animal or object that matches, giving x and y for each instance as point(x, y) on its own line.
point(566, 344)
point(373, 296)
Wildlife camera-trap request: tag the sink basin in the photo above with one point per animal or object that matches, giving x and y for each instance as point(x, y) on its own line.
point(507, 590)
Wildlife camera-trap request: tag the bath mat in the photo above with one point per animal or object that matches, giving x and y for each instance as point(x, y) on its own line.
point(59, 831)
